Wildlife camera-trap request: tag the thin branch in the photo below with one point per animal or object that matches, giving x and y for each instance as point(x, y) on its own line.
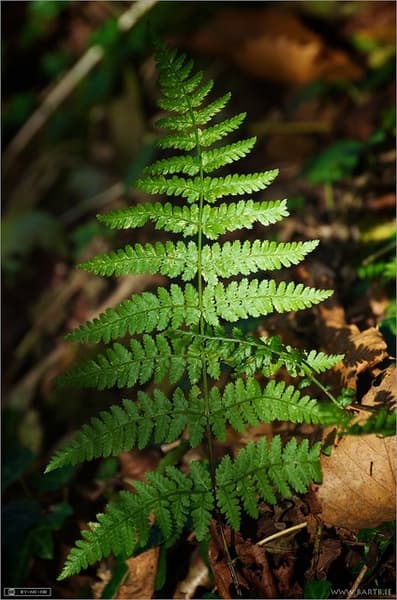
point(279, 534)
point(67, 84)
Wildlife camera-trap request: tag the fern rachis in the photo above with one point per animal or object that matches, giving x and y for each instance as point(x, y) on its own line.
point(183, 335)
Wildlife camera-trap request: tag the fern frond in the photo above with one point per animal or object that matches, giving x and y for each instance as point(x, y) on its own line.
point(210, 135)
point(193, 118)
point(122, 367)
point(207, 137)
point(233, 258)
point(127, 427)
point(186, 163)
point(210, 160)
point(246, 403)
point(261, 468)
point(239, 300)
point(320, 362)
point(249, 355)
point(212, 188)
point(184, 219)
point(172, 101)
point(168, 259)
point(228, 217)
point(125, 526)
point(213, 159)
point(194, 345)
point(142, 313)
point(257, 471)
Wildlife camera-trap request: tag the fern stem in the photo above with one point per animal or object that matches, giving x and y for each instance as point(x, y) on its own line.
point(308, 370)
point(205, 387)
point(318, 383)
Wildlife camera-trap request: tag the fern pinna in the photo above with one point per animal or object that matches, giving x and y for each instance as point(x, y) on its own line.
point(181, 333)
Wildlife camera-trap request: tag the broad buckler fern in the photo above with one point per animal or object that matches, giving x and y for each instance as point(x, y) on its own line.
point(182, 334)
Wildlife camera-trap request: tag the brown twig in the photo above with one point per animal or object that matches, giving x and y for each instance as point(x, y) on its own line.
point(67, 84)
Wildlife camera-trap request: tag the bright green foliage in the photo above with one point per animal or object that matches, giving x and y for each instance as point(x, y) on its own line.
point(141, 314)
point(185, 219)
point(183, 338)
point(164, 419)
point(259, 469)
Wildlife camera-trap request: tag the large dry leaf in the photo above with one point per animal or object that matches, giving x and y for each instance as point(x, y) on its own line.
point(358, 489)
point(274, 44)
point(141, 577)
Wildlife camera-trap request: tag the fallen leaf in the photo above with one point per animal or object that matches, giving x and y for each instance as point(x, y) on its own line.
point(383, 390)
point(363, 350)
point(329, 551)
point(274, 44)
point(141, 578)
point(358, 489)
point(197, 576)
point(252, 566)
point(284, 571)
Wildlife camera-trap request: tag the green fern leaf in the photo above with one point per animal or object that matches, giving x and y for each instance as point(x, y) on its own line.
point(210, 135)
point(210, 188)
point(127, 427)
point(193, 342)
point(254, 298)
point(194, 118)
point(186, 163)
point(320, 362)
point(122, 367)
point(202, 500)
point(142, 313)
point(243, 404)
point(185, 219)
point(258, 469)
point(213, 159)
point(125, 525)
point(233, 258)
point(168, 259)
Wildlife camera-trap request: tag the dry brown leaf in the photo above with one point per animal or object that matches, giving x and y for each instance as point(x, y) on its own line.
point(358, 489)
point(381, 394)
point(329, 551)
point(274, 44)
point(197, 576)
point(363, 350)
point(252, 568)
point(141, 577)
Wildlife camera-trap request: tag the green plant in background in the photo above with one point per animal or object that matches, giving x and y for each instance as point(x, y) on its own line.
point(28, 527)
point(180, 334)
